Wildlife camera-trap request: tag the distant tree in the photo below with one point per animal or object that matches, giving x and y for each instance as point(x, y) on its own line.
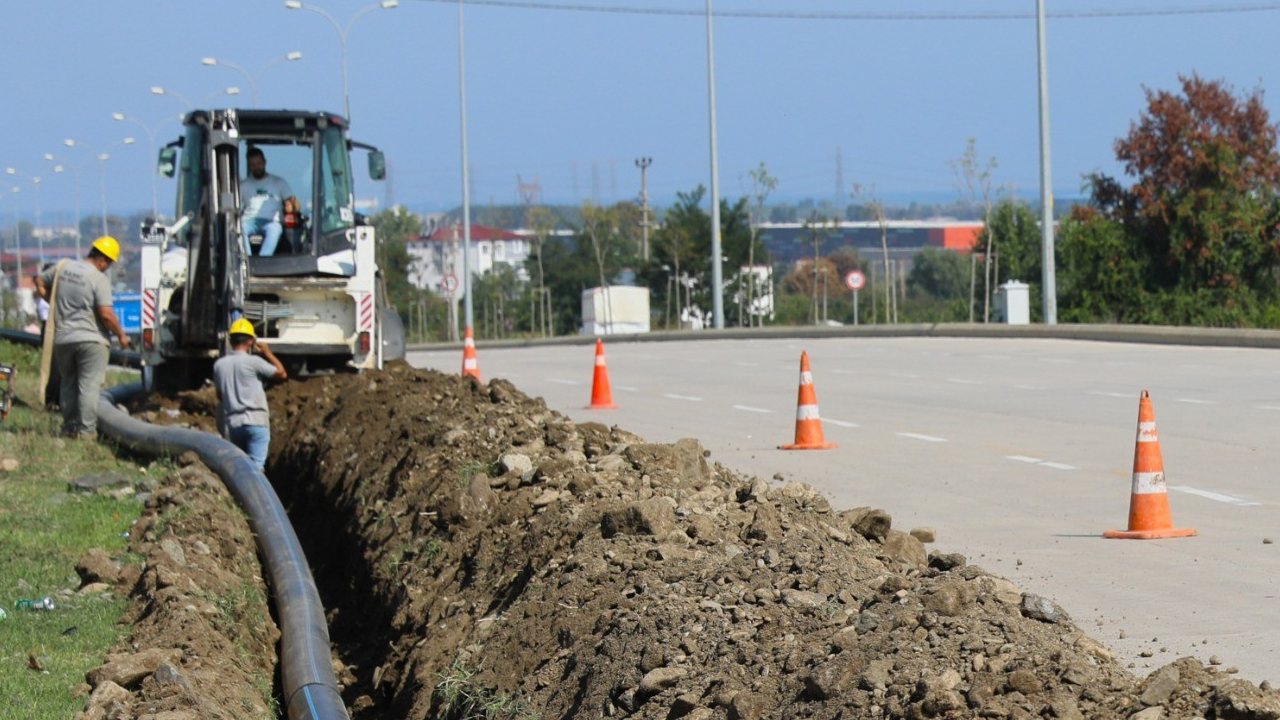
point(938, 274)
point(762, 184)
point(393, 227)
point(1202, 212)
point(975, 176)
point(866, 196)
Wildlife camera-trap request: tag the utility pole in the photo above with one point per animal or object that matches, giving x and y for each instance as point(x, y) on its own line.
point(644, 163)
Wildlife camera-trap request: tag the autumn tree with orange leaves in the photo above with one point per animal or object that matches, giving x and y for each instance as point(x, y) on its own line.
point(1194, 238)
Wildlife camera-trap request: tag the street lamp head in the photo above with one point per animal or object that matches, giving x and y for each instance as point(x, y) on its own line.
point(104, 156)
point(388, 4)
point(11, 171)
point(129, 141)
point(157, 90)
point(233, 90)
point(208, 61)
point(293, 5)
point(49, 157)
point(117, 116)
point(69, 142)
point(295, 55)
point(57, 168)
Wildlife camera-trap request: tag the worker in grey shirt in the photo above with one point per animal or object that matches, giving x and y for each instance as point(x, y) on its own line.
point(83, 316)
point(243, 415)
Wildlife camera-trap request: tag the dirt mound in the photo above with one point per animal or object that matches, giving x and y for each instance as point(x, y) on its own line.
point(203, 643)
point(484, 556)
point(509, 556)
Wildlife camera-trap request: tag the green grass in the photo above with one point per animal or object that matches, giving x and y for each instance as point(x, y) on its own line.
point(462, 697)
point(44, 531)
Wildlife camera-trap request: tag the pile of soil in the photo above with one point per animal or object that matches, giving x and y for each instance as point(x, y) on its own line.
point(484, 556)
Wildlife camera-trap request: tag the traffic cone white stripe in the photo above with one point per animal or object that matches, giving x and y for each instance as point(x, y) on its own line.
point(1147, 432)
point(1148, 483)
point(806, 378)
point(470, 364)
point(807, 412)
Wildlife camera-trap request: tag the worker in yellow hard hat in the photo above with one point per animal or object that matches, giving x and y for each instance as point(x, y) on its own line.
point(243, 415)
point(80, 302)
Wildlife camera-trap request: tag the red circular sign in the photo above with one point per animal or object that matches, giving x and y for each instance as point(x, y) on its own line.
point(449, 283)
point(855, 280)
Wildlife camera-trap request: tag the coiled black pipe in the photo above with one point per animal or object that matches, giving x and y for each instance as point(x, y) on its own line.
point(310, 687)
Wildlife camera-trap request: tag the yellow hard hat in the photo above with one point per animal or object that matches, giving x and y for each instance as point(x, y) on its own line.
point(243, 327)
point(108, 246)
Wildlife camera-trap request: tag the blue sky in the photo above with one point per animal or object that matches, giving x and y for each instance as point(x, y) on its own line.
point(572, 96)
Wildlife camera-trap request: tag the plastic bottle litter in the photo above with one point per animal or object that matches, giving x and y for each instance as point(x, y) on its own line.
point(3, 614)
point(44, 603)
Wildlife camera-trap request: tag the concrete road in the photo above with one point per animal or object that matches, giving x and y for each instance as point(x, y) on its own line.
point(1018, 451)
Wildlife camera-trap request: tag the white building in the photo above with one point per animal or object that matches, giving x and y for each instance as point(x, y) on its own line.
point(437, 256)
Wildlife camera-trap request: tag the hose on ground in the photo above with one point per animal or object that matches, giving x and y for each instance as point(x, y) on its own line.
point(310, 688)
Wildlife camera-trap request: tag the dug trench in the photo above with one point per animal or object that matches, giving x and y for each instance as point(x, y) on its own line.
point(483, 556)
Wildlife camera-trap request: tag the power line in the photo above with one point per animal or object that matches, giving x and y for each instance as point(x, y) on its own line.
point(785, 15)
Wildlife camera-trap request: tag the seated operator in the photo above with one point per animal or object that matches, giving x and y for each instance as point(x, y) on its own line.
point(264, 197)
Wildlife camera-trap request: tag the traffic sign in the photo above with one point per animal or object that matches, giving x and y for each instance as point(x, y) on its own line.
point(855, 280)
point(449, 283)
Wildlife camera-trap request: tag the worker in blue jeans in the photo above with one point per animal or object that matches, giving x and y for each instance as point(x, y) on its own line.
point(243, 415)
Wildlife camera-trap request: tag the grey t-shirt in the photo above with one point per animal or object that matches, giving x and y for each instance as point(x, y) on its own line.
point(82, 289)
point(238, 377)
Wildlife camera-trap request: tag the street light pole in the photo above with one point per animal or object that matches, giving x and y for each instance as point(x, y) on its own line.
point(466, 178)
point(75, 169)
point(17, 239)
point(644, 163)
point(155, 170)
point(1048, 274)
point(35, 181)
point(342, 36)
point(717, 291)
point(253, 84)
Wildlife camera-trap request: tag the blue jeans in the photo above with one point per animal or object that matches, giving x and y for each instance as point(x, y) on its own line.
point(271, 231)
point(253, 440)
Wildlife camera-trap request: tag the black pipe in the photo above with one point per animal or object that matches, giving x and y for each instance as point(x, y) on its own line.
point(310, 687)
point(120, 358)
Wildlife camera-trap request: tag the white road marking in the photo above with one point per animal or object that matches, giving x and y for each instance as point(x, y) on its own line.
point(909, 376)
point(963, 381)
point(673, 396)
point(841, 423)
point(926, 438)
point(1059, 361)
point(1030, 387)
point(558, 381)
point(1113, 394)
point(1195, 401)
point(1214, 496)
point(1058, 465)
point(628, 388)
point(748, 408)
point(1044, 463)
point(1269, 407)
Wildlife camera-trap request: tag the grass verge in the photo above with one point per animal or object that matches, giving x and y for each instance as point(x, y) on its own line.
point(44, 530)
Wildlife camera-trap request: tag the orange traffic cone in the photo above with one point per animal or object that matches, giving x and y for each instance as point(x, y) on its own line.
point(1149, 516)
point(601, 393)
point(808, 424)
point(470, 365)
